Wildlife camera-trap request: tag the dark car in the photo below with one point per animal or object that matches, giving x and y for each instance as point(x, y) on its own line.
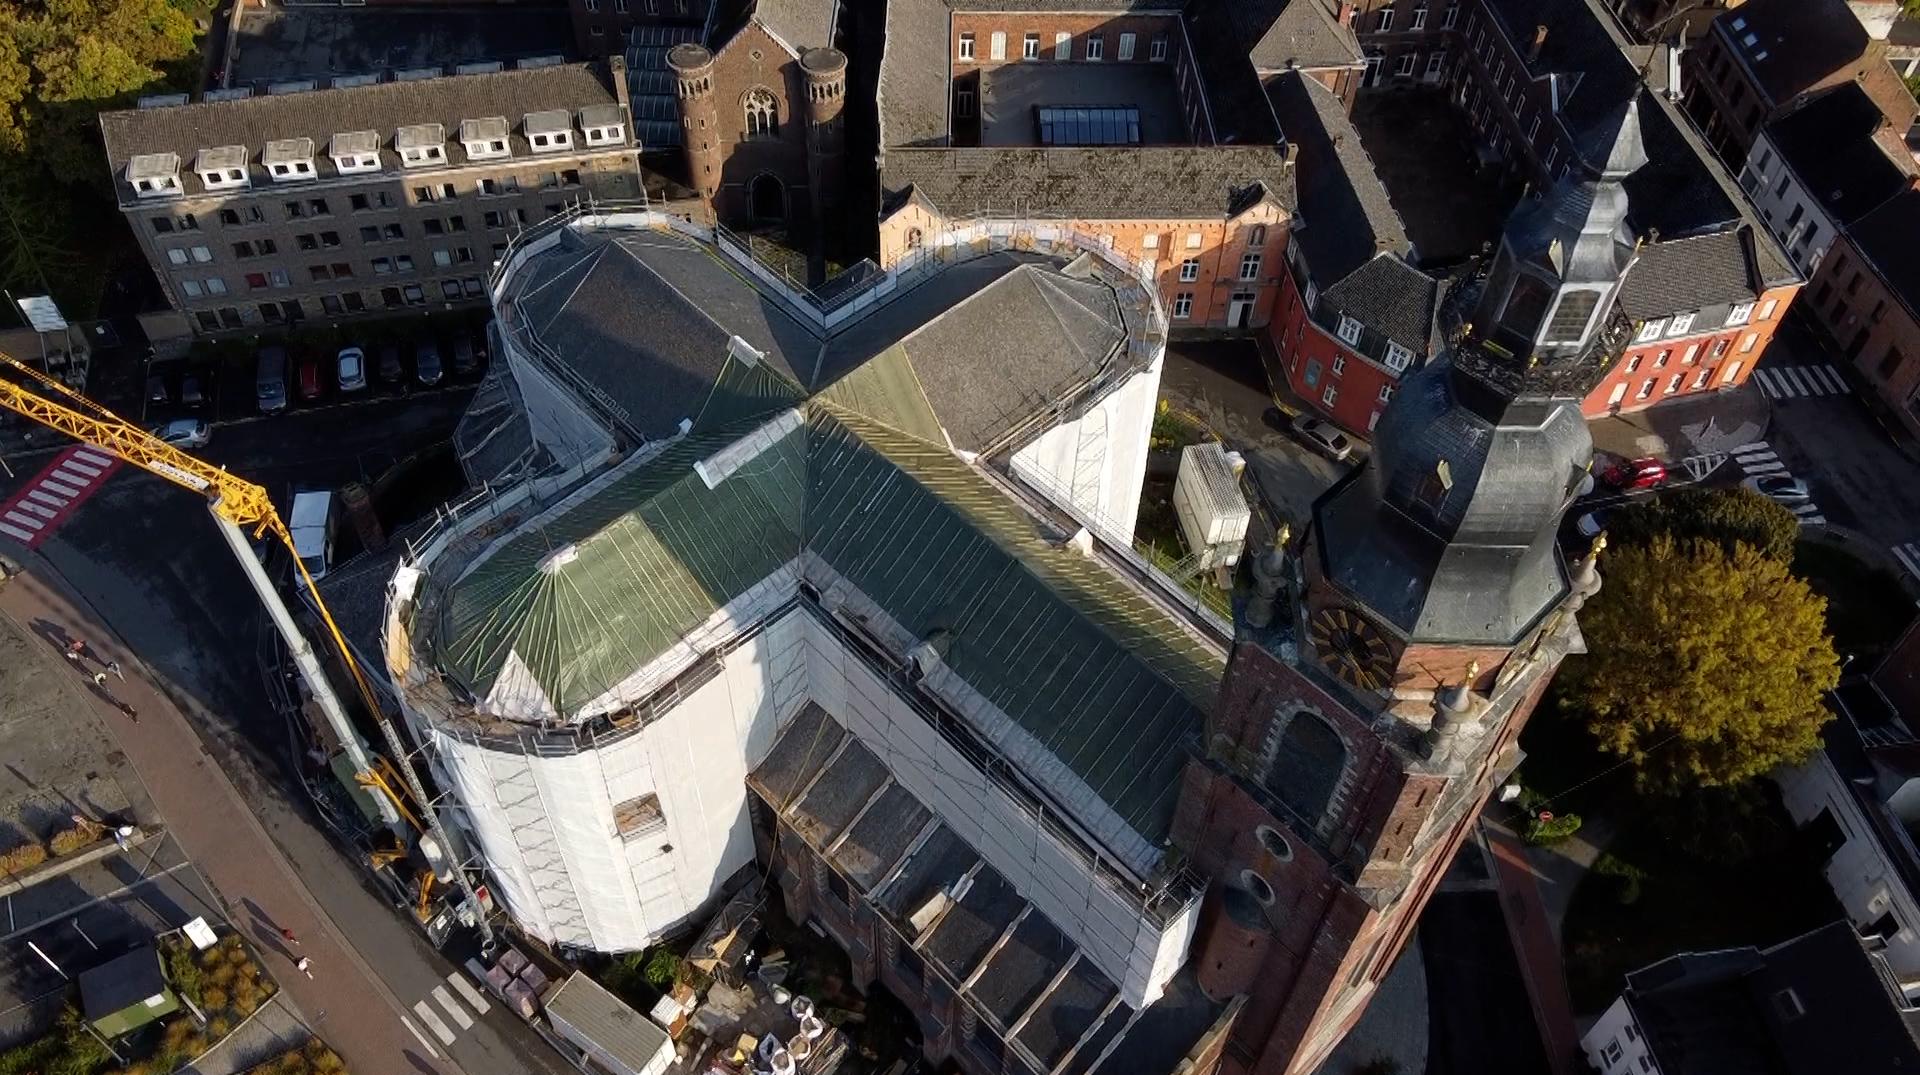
point(390, 368)
point(426, 364)
point(191, 392)
point(464, 360)
point(157, 389)
point(270, 380)
point(309, 379)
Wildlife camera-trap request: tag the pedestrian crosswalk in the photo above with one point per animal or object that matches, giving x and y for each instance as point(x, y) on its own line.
point(434, 1016)
point(1909, 557)
point(45, 502)
point(1759, 460)
point(1790, 382)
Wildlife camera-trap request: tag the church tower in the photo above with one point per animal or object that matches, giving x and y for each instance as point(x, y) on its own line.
point(1385, 663)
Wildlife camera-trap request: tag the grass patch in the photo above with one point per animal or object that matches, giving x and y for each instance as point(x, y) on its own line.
point(1157, 536)
point(1694, 873)
point(1866, 606)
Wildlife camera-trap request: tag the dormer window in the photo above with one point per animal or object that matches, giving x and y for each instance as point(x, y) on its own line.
point(154, 175)
point(550, 132)
point(222, 168)
point(486, 139)
point(422, 145)
point(289, 160)
point(1349, 331)
point(1398, 357)
point(354, 152)
point(603, 125)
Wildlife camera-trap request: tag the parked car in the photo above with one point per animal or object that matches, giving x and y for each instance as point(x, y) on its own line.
point(1780, 488)
point(1323, 436)
point(157, 389)
point(191, 394)
point(309, 379)
point(464, 360)
point(351, 369)
point(185, 433)
point(1633, 474)
point(270, 379)
point(391, 369)
point(426, 364)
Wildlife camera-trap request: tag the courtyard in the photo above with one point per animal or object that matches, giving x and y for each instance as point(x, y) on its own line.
point(1011, 95)
point(1422, 149)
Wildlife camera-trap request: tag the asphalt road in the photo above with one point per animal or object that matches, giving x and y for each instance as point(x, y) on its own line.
point(144, 558)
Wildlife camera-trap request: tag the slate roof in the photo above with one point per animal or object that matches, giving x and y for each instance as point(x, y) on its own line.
point(1721, 1012)
point(802, 24)
point(1305, 34)
point(1584, 51)
point(1345, 215)
point(1689, 274)
point(1830, 145)
point(914, 68)
point(1805, 42)
point(1390, 297)
point(320, 114)
point(1012, 957)
point(1178, 182)
point(1885, 236)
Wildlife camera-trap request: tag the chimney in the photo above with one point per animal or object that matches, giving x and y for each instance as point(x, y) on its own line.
point(1539, 42)
point(1292, 154)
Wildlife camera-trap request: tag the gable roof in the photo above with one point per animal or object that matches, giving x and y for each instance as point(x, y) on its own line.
point(1346, 216)
point(1885, 236)
point(800, 24)
point(1796, 44)
point(1392, 298)
point(383, 108)
point(1298, 34)
point(1119, 182)
point(1831, 146)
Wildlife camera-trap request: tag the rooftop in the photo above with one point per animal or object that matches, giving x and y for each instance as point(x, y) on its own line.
point(1345, 215)
point(1882, 236)
point(1790, 46)
point(1174, 182)
point(283, 44)
point(1297, 34)
point(1832, 147)
point(1010, 96)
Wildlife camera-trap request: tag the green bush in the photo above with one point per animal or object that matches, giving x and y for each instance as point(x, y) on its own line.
point(1541, 833)
point(1625, 877)
point(662, 968)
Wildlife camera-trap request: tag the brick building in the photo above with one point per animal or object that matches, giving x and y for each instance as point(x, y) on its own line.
point(1763, 58)
point(605, 27)
point(374, 199)
point(1866, 293)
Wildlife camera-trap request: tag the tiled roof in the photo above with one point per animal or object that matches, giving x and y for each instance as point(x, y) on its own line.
point(1297, 34)
point(1796, 43)
point(1346, 215)
point(913, 75)
point(1688, 274)
point(802, 24)
point(1390, 297)
point(385, 107)
point(1583, 46)
point(1829, 143)
point(1156, 182)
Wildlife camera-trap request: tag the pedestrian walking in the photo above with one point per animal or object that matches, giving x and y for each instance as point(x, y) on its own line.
point(100, 679)
point(76, 649)
point(114, 667)
point(304, 966)
point(287, 936)
point(127, 708)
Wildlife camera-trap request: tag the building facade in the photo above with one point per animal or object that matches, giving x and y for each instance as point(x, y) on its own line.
point(333, 204)
point(603, 28)
point(1866, 295)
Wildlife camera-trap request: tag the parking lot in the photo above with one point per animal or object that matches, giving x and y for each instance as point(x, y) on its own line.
point(219, 383)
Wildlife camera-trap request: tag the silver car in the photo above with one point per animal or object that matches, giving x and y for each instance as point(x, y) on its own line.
point(185, 433)
point(1323, 436)
point(352, 369)
point(1780, 488)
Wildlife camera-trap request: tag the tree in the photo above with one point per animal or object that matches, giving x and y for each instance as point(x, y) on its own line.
point(1728, 516)
point(1705, 667)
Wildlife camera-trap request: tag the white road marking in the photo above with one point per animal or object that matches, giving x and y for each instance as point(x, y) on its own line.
point(38, 509)
point(419, 1037)
point(76, 465)
point(18, 534)
point(29, 523)
point(1909, 556)
point(1813, 520)
point(1833, 377)
point(45, 497)
point(1766, 382)
point(1760, 469)
point(1808, 508)
point(1792, 374)
point(88, 455)
point(479, 1000)
point(58, 487)
point(433, 1022)
point(73, 475)
point(453, 1008)
point(1755, 448)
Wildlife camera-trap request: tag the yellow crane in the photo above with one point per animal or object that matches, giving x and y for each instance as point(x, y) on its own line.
point(238, 506)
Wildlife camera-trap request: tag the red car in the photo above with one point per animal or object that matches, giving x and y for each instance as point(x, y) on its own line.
point(309, 379)
point(1635, 474)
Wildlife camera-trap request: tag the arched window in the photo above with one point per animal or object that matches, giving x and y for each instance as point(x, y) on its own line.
point(914, 239)
point(1307, 766)
point(1257, 236)
point(763, 114)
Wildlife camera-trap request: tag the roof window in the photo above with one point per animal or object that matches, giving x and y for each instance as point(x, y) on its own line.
point(154, 175)
point(223, 167)
point(421, 145)
point(549, 132)
point(289, 159)
point(355, 152)
point(604, 125)
point(486, 139)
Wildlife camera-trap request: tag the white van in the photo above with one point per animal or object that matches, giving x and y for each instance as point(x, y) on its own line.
point(312, 525)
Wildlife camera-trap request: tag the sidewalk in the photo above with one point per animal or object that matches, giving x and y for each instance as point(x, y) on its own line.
point(1531, 927)
point(350, 1006)
point(1706, 425)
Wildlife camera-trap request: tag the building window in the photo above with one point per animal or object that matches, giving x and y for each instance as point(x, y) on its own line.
point(1183, 305)
point(1434, 63)
point(1747, 344)
point(1403, 64)
point(1189, 270)
point(1700, 380)
point(997, 46)
point(1419, 18)
point(1611, 1054)
point(1660, 360)
point(1398, 357)
point(1349, 331)
point(1327, 397)
point(966, 46)
point(1030, 47)
point(1646, 389)
point(1157, 48)
point(1673, 383)
point(1740, 314)
point(1681, 324)
point(1651, 330)
point(1449, 16)
point(1096, 47)
point(1063, 46)
point(1126, 47)
point(1386, 393)
point(1250, 265)
point(1150, 241)
point(1339, 365)
point(763, 113)
point(1386, 20)
point(1767, 308)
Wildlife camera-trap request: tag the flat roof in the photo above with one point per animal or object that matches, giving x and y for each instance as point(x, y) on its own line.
point(1010, 94)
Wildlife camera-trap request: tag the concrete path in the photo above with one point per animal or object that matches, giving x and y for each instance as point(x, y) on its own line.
point(216, 827)
point(272, 1030)
point(1557, 870)
point(1530, 925)
point(1705, 425)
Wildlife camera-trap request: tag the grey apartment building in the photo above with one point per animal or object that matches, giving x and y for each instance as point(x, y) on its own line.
point(368, 200)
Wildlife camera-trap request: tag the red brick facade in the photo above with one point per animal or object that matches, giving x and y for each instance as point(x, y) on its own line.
point(1667, 368)
point(1333, 378)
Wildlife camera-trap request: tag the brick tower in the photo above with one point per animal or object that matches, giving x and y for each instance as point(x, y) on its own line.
point(1383, 667)
point(826, 78)
point(692, 67)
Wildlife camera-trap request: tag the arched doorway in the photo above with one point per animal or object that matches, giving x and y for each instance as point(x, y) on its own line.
point(768, 196)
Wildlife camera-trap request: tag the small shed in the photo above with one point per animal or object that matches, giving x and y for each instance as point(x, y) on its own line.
point(126, 993)
point(1213, 512)
point(597, 1023)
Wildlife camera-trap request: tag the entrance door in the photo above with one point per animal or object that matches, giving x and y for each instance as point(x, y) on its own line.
point(769, 198)
point(1240, 310)
point(1372, 76)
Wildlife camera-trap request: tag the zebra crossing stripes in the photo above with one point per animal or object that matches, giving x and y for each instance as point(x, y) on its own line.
point(444, 1000)
point(1759, 460)
point(1909, 557)
point(38, 508)
point(1793, 382)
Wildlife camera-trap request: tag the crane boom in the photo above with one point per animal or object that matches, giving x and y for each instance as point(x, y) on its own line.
point(240, 505)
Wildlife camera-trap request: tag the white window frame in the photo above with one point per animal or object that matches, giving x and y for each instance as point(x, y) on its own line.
point(966, 47)
point(1398, 358)
point(356, 163)
point(1740, 314)
point(1183, 306)
point(1157, 48)
point(1331, 393)
point(1386, 20)
point(551, 141)
point(1419, 17)
point(225, 179)
point(291, 170)
point(1030, 46)
point(1125, 52)
point(1096, 47)
point(1250, 265)
point(1189, 270)
point(1646, 389)
point(1435, 61)
point(1747, 344)
point(997, 45)
point(216, 286)
point(1062, 45)
point(1680, 325)
point(177, 255)
point(191, 289)
point(1450, 16)
point(1767, 308)
point(1651, 330)
point(600, 136)
point(1150, 241)
point(1673, 384)
point(418, 155)
point(1386, 393)
point(1404, 63)
point(1339, 365)
point(1349, 331)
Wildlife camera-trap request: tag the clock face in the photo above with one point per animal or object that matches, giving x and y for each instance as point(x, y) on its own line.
point(1351, 647)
